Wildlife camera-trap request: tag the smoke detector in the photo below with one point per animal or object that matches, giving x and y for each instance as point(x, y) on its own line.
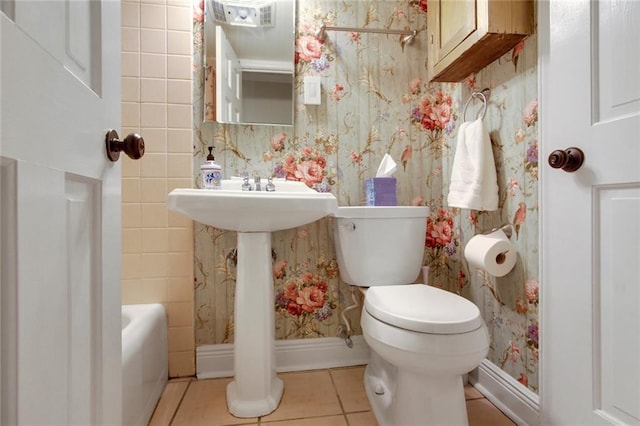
point(244, 13)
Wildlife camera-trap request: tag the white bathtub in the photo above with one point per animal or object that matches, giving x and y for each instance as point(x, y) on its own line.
point(144, 361)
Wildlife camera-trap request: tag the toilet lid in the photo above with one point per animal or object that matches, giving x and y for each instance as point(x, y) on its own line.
point(422, 308)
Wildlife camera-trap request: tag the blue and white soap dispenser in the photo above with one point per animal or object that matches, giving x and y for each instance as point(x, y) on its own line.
point(211, 172)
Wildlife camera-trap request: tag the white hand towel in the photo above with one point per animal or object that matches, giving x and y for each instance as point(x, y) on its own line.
point(474, 182)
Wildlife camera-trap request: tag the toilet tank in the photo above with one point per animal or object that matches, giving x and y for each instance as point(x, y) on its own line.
point(380, 245)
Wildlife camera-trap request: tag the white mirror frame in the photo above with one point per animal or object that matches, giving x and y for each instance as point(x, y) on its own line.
point(258, 83)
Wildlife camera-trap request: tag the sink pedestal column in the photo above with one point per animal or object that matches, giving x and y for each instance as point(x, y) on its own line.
point(256, 390)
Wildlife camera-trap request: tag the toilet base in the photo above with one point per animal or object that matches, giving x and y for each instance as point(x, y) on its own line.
point(400, 398)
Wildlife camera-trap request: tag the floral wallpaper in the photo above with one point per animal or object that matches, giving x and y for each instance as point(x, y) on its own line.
point(376, 100)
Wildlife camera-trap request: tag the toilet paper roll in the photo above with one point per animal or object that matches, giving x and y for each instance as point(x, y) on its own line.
point(492, 252)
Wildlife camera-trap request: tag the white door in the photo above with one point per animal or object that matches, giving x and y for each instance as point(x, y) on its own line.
point(229, 81)
point(590, 99)
point(60, 213)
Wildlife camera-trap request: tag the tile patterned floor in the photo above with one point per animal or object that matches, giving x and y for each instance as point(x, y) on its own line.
point(331, 397)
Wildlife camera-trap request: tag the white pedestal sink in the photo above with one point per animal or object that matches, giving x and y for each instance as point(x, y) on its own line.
point(256, 390)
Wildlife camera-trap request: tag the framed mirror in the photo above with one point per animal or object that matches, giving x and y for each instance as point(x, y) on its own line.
point(249, 61)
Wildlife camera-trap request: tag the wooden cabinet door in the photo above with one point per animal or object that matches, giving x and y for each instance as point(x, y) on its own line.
point(453, 22)
point(467, 35)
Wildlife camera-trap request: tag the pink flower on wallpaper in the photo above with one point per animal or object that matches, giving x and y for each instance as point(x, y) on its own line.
point(304, 295)
point(291, 291)
point(415, 85)
point(523, 379)
point(461, 280)
point(331, 270)
point(289, 164)
point(309, 172)
point(440, 231)
point(336, 93)
point(321, 162)
point(354, 36)
point(279, 269)
point(294, 309)
point(322, 286)
point(330, 145)
point(512, 186)
point(310, 298)
point(433, 113)
point(531, 113)
point(514, 351)
point(521, 306)
point(531, 290)
point(470, 81)
point(198, 11)
point(417, 201)
point(473, 218)
point(308, 48)
point(421, 5)
point(306, 151)
point(356, 157)
point(307, 28)
point(277, 141)
point(267, 156)
point(307, 165)
point(519, 135)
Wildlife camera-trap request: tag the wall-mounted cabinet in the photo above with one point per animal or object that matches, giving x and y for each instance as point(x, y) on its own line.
point(467, 35)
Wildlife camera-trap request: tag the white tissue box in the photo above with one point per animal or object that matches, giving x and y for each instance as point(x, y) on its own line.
point(381, 191)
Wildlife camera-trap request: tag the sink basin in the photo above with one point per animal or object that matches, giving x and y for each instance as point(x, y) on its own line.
point(292, 204)
point(256, 390)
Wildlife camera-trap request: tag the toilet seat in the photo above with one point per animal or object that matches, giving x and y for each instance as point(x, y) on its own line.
point(422, 308)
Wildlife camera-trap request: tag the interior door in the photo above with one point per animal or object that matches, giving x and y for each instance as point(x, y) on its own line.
point(60, 213)
point(229, 83)
point(590, 285)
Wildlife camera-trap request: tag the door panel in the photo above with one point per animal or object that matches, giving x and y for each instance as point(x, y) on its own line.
point(591, 218)
point(617, 308)
point(229, 83)
point(82, 216)
point(60, 213)
point(616, 83)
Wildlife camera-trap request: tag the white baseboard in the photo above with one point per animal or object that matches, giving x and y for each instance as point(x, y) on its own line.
point(514, 399)
point(291, 355)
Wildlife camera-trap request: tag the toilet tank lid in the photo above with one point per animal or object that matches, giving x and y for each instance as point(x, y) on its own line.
point(422, 308)
point(364, 212)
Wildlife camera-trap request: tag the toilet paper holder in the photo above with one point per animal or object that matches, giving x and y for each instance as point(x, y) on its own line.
point(506, 228)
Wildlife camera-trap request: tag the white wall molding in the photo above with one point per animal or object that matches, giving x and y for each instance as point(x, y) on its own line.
point(510, 396)
point(291, 355)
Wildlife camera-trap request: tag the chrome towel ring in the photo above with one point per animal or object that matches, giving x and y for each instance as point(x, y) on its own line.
point(483, 96)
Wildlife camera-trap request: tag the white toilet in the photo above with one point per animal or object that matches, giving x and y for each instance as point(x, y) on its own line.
point(422, 339)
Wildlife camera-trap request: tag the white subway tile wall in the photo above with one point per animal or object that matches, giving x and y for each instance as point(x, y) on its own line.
point(157, 246)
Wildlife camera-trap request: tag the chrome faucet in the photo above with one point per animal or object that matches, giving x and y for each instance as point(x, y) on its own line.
point(270, 187)
point(257, 186)
point(246, 186)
